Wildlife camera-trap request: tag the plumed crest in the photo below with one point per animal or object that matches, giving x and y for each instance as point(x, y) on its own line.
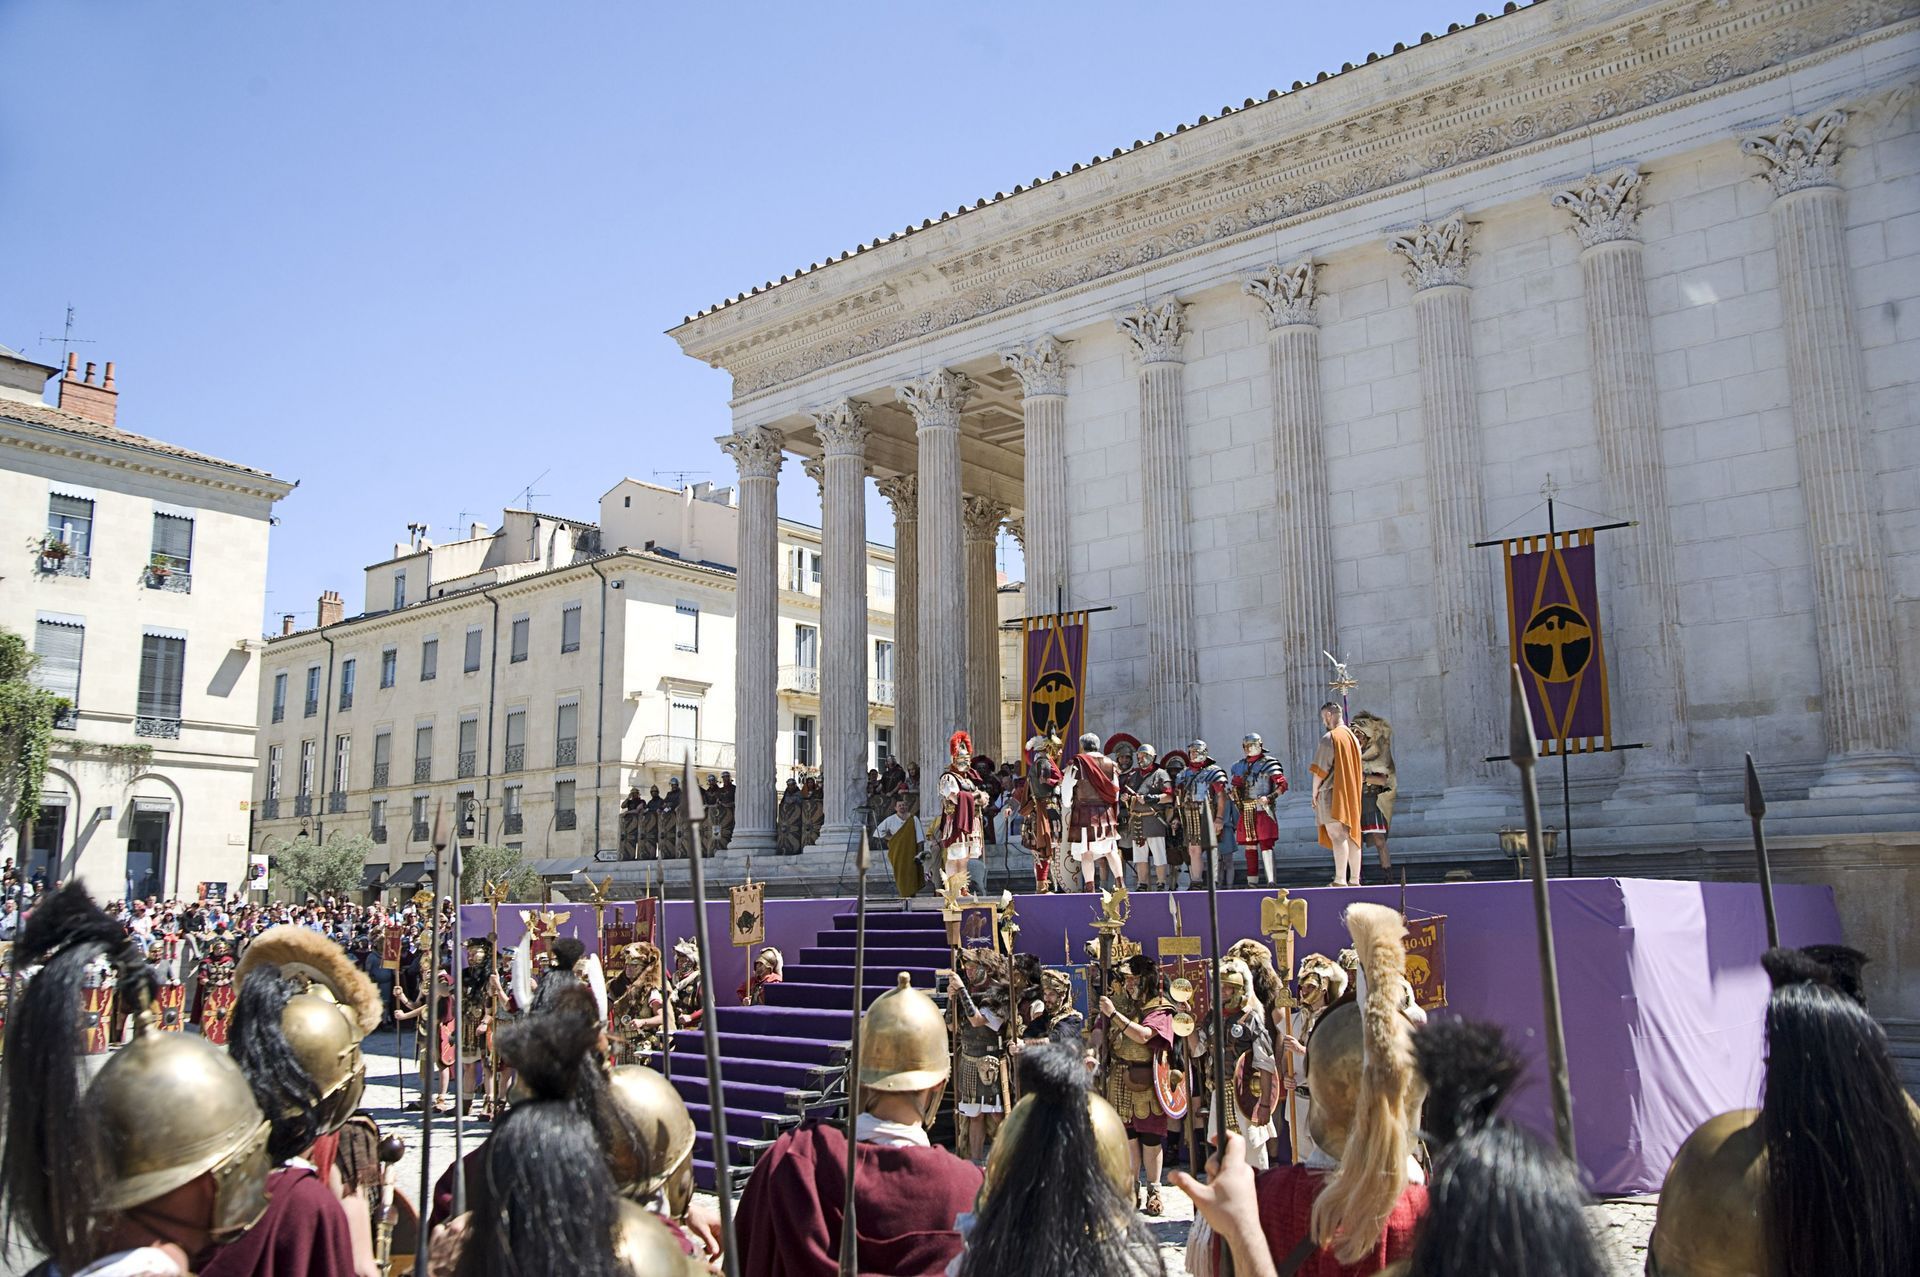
point(1331, 974)
point(310, 957)
point(567, 951)
point(68, 916)
point(959, 741)
point(1469, 1068)
point(589, 970)
point(1835, 966)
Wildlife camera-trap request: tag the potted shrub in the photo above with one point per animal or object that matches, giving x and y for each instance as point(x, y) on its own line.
point(55, 549)
point(158, 567)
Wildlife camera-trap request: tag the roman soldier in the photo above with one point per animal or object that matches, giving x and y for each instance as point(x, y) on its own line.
point(1253, 1075)
point(1093, 836)
point(721, 815)
point(1137, 1026)
point(1051, 1015)
point(813, 811)
point(635, 1002)
point(1336, 795)
point(213, 1003)
point(789, 821)
point(1147, 795)
point(1041, 827)
point(907, 1194)
point(963, 811)
point(769, 967)
point(170, 996)
point(1200, 793)
point(687, 997)
point(654, 1170)
point(978, 993)
point(1378, 782)
point(1257, 780)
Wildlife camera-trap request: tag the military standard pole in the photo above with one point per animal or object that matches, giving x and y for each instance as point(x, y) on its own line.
point(430, 1056)
point(849, 1234)
point(1218, 1109)
point(1521, 750)
point(695, 812)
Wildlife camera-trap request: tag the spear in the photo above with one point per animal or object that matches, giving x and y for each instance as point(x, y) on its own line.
point(456, 959)
point(430, 1011)
point(695, 812)
point(1756, 810)
point(849, 1236)
point(1523, 753)
point(1221, 1082)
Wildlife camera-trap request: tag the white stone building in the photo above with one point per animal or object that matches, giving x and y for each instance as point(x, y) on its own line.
point(541, 670)
point(137, 573)
point(1258, 385)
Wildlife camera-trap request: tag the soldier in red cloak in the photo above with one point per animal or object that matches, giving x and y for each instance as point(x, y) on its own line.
point(1094, 836)
point(213, 1006)
point(963, 811)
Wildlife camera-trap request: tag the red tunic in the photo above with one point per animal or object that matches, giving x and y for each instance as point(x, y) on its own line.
point(788, 1221)
point(1287, 1194)
point(303, 1234)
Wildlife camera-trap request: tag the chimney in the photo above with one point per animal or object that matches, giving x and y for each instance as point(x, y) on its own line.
point(331, 608)
point(286, 622)
point(83, 397)
point(476, 530)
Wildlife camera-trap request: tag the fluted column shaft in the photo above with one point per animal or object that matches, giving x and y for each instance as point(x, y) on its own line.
point(936, 402)
point(1042, 367)
point(1157, 331)
point(757, 453)
point(1462, 606)
point(1303, 519)
point(843, 620)
point(982, 518)
point(1862, 708)
point(903, 493)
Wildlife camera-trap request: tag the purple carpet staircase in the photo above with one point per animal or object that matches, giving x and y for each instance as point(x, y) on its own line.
point(785, 1061)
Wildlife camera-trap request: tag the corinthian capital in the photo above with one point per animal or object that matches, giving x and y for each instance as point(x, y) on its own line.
point(1287, 292)
point(1156, 329)
point(757, 451)
point(1041, 365)
point(843, 431)
point(1604, 209)
point(1436, 252)
point(1019, 529)
point(902, 492)
point(982, 517)
point(815, 469)
point(1800, 151)
point(937, 399)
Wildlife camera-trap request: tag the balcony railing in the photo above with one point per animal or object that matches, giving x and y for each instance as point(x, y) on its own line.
point(66, 564)
point(173, 581)
point(270, 809)
point(468, 761)
point(312, 706)
point(671, 749)
point(566, 818)
point(346, 698)
point(303, 805)
point(380, 772)
point(379, 833)
point(804, 679)
point(513, 823)
point(881, 693)
point(66, 719)
point(565, 750)
point(516, 757)
point(422, 770)
point(156, 727)
point(336, 802)
point(420, 831)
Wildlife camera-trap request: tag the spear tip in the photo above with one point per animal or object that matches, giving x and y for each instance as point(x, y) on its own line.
point(1756, 800)
point(1521, 748)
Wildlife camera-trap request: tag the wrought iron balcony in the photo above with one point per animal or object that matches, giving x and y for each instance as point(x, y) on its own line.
point(66, 719)
point(516, 757)
point(303, 805)
point(336, 802)
point(380, 771)
point(346, 698)
point(513, 823)
point(172, 580)
point(564, 750)
point(671, 749)
point(420, 833)
point(270, 809)
point(468, 761)
point(66, 564)
point(279, 713)
point(804, 679)
point(157, 728)
point(422, 770)
point(380, 833)
point(566, 818)
point(313, 706)
point(881, 692)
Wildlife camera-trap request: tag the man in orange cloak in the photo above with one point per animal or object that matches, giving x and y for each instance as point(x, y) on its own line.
point(1336, 795)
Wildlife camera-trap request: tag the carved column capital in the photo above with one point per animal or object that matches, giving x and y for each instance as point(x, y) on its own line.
point(815, 469)
point(1800, 152)
point(902, 492)
point(1018, 526)
point(757, 451)
point(842, 428)
point(1041, 365)
point(1436, 252)
point(1156, 329)
point(937, 399)
point(982, 517)
point(1287, 293)
point(1604, 209)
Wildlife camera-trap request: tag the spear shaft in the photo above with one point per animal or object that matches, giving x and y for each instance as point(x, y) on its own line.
point(1756, 811)
point(849, 1236)
point(1222, 1097)
point(695, 812)
point(1522, 751)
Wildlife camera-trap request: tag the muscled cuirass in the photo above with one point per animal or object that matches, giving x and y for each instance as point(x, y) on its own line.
point(1122, 1046)
point(977, 1040)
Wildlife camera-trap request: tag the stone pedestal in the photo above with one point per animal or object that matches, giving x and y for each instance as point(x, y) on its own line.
point(757, 453)
point(936, 402)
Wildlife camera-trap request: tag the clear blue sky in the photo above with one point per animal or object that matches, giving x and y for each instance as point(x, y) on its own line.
point(414, 254)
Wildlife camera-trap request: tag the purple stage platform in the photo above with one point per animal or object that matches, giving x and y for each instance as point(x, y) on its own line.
point(1661, 983)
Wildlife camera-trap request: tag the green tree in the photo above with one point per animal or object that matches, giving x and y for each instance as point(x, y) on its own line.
point(26, 730)
point(303, 867)
point(482, 864)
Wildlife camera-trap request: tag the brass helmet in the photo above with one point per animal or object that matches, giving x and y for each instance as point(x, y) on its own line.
point(325, 1023)
point(663, 1163)
point(1109, 1140)
point(171, 1108)
point(644, 1244)
point(1709, 1221)
point(903, 1041)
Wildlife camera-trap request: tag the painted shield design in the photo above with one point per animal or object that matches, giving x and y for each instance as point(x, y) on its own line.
point(1170, 1086)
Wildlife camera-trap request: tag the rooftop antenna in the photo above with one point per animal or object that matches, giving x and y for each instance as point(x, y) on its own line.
point(66, 338)
point(679, 477)
point(527, 494)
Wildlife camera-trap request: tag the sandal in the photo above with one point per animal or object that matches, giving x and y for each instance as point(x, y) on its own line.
point(1153, 1200)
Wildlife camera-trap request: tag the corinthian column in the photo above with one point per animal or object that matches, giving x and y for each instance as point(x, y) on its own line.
point(1644, 640)
point(982, 517)
point(1157, 330)
point(1042, 367)
point(902, 492)
point(1462, 603)
point(843, 619)
point(1861, 702)
point(1302, 513)
point(936, 401)
point(757, 453)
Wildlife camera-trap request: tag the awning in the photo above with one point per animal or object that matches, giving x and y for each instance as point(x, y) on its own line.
point(370, 876)
point(55, 798)
point(409, 874)
point(153, 804)
point(561, 867)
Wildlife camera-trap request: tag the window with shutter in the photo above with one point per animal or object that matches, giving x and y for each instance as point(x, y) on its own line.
point(399, 590)
point(70, 523)
point(389, 666)
point(570, 628)
point(473, 650)
point(686, 627)
point(279, 696)
point(521, 626)
point(163, 668)
point(58, 645)
point(429, 659)
point(349, 670)
point(566, 733)
point(173, 542)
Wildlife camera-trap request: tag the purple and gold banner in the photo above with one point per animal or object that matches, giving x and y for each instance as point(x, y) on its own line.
point(1056, 668)
point(1553, 617)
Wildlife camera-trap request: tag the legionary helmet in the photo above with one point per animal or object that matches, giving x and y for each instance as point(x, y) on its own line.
point(960, 748)
point(645, 1245)
point(662, 1162)
point(1143, 753)
point(325, 1023)
point(903, 1041)
point(1709, 1223)
point(1197, 749)
point(1252, 743)
point(1109, 1140)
